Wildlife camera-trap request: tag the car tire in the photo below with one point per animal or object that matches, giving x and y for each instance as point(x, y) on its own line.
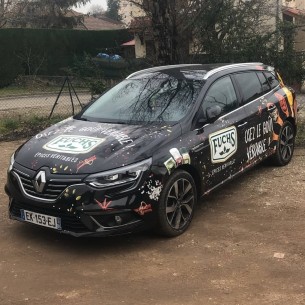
point(285, 145)
point(177, 202)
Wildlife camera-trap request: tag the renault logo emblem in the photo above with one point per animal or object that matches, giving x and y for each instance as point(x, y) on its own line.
point(40, 181)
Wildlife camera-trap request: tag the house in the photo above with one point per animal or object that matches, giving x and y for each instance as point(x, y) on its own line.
point(24, 14)
point(135, 19)
point(294, 12)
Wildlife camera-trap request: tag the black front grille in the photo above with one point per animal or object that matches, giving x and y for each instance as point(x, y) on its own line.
point(52, 189)
point(68, 222)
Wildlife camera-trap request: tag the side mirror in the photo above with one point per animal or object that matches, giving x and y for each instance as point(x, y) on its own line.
point(213, 113)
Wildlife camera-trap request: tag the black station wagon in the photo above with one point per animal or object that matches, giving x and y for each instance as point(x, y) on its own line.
point(143, 153)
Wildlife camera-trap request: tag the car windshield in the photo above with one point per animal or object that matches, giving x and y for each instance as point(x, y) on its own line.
point(150, 98)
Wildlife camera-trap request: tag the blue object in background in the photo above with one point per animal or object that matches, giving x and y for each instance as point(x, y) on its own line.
point(103, 55)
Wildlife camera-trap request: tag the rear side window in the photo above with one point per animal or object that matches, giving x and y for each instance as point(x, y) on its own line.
point(272, 79)
point(249, 85)
point(265, 85)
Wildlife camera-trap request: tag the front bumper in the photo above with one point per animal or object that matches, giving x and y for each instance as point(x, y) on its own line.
point(83, 224)
point(83, 211)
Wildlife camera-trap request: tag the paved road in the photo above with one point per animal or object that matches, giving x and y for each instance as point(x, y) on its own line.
point(43, 100)
point(47, 100)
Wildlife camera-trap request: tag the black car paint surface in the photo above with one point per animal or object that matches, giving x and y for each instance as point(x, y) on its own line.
point(71, 170)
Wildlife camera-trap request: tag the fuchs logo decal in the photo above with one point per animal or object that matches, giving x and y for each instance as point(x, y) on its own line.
point(223, 144)
point(73, 144)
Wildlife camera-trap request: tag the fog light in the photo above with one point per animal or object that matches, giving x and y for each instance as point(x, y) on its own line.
point(118, 220)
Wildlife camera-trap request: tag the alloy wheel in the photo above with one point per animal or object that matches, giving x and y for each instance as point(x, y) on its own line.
point(180, 204)
point(287, 143)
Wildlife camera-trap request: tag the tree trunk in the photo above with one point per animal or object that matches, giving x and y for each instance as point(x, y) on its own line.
point(164, 31)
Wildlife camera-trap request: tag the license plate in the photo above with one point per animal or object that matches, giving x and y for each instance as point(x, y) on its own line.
point(41, 219)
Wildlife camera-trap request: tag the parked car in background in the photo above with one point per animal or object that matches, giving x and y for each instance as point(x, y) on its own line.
point(144, 153)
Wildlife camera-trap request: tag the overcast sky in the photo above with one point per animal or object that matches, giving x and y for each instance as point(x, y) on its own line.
point(85, 8)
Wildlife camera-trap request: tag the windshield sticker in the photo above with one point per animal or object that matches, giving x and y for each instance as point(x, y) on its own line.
point(178, 157)
point(85, 162)
point(223, 144)
point(73, 144)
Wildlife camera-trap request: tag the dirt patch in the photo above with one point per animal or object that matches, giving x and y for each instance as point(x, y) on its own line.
point(246, 246)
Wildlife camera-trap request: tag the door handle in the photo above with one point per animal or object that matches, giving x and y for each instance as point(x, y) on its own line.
point(243, 124)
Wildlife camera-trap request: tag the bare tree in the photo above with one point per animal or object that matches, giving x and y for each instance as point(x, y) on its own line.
point(210, 25)
point(41, 13)
point(5, 6)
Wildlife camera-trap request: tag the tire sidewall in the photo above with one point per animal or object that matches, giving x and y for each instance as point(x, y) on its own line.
point(278, 154)
point(163, 227)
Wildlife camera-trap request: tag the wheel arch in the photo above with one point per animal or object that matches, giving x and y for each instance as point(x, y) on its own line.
point(293, 122)
point(196, 176)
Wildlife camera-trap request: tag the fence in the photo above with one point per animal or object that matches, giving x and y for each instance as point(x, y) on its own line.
point(33, 96)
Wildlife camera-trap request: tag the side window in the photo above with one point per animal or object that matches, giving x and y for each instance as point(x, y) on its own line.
point(221, 94)
point(272, 79)
point(249, 85)
point(265, 85)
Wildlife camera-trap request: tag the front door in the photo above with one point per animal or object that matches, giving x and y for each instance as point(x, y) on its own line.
point(224, 145)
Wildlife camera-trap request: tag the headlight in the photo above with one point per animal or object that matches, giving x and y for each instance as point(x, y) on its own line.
point(11, 163)
point(120, 176)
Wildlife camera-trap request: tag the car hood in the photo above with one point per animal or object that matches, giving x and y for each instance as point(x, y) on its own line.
point(75, 146)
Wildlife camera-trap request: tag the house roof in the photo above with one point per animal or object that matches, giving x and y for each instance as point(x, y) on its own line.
point(293, 11)
point(97, 22)
point(129, 43)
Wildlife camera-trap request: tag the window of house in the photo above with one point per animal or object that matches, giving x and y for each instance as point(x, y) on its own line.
point(222, 94)
point(249, 85)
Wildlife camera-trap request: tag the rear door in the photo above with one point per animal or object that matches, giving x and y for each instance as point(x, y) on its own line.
point(256, 100)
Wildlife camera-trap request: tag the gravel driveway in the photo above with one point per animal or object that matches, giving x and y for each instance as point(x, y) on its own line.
point(246, 246)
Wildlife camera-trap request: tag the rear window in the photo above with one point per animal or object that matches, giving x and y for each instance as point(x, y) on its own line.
point(249, 85)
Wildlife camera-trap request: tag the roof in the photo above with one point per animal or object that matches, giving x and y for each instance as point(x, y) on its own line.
point(129, 43)
point(293, 11)
point(97, 22)
point(205, 70)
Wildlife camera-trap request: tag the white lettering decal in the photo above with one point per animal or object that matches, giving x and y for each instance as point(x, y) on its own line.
point(256, 149)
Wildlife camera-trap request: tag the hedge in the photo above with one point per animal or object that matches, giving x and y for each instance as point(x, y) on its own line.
point(54, 48)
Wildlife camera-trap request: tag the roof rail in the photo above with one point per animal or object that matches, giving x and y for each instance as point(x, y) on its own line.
point(160, 68)
point(246, 64)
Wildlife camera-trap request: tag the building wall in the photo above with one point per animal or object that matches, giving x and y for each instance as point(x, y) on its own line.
point(299, 43)
point(128, 11)
point(140, 48)
point(298, 4)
